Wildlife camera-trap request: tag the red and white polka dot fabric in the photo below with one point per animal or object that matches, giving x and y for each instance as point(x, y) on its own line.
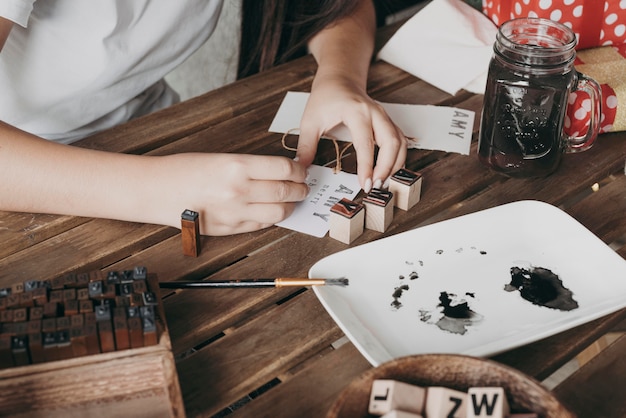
point(595, 22)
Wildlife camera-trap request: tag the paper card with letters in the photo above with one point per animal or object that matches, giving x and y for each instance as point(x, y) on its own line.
point(326, 188)
point(439, 128)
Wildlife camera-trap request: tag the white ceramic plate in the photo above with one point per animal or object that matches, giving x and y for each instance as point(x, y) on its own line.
point(471, 257)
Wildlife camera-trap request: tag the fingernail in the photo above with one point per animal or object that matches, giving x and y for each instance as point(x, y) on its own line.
point(377, 183)
point(368, 186)
point(386, 183)
point(296, 158)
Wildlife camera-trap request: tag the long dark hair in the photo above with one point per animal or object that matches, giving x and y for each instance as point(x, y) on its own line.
point(275, 31)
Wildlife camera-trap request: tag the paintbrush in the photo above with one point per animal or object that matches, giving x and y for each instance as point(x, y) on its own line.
point(277, 282)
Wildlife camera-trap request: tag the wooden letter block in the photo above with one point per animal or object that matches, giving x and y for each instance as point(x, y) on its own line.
point(190, 232)
point(406, 185)
point(401, 414)
point(378, 209)
point(487, 402)
point(347, 219)
point(388, 395)
point(443, 402)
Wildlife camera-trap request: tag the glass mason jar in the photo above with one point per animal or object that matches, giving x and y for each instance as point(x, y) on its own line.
point(531, 76)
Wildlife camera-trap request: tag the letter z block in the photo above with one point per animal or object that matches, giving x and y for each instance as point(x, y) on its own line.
point(443, 402)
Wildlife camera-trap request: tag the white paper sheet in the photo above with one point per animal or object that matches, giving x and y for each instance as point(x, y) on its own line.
point(448, 44)
point(438, 128)
point(327, 188)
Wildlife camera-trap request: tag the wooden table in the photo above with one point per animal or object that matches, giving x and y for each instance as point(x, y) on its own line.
point(276, 352)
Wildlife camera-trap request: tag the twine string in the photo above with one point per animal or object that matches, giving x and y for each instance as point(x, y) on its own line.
point(338, 151)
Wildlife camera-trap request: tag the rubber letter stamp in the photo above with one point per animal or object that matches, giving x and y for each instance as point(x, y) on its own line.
point(190, 231)
point(406, 185)
point(378, 209)
point(347, 219)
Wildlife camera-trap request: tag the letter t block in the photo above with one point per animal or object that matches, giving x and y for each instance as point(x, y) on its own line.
point(347, 219)
point(406, 185)
point(388, 395)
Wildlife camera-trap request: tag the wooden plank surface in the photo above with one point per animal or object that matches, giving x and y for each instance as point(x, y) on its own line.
point(279, 343)
point(591, 391)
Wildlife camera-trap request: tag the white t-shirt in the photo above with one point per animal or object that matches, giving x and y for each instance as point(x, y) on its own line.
point(72, 67)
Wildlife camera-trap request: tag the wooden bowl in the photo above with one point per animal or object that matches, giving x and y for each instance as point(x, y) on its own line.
point(459, 372)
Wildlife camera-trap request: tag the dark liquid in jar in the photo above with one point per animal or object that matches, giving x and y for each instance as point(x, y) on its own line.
point(521, 132)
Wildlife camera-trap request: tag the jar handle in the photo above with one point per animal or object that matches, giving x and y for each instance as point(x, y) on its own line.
point(592, 89)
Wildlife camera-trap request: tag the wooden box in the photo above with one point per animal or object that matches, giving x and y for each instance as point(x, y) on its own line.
point(132, 382)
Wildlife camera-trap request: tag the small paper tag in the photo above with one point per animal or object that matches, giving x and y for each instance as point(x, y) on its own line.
point(327, 188)
point(439, 128)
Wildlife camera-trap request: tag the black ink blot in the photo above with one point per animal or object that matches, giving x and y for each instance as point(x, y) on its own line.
point(483, 252)
point(439, 251)
point(397, 293)
point(413, 275)
point(456, 315)
point(542, 287)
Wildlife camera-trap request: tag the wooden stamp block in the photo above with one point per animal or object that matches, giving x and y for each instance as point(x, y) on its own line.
point(96, 289)
point(105, 335)
point(3, 303)
point(17, 288)
point(401, 414)
point(26, 300)
point(48, 325)
point(120, 328)
point(35, 348)
point(64, 346)
point(406, 185)
point(35, 313)
point(19, 349)
point(52, 309)
point(20, 315)
point(49, 344)
point(33, 326)
point(85, 306)
point(148, 322)
point(6, 357)
point(487, 402)
point(82, 293)
point(69, 280)
point(71, 307)
point(91, 338)
point(82, 280)
point(13, 300)
point(388, 395)
point(347, 220)
point(69, 294)
point(378, 209)
point(6, 315)
point(40, 296)
point(56, 296)
point(443, 402)
point(135, 332)
point(190, 232)
point(79, 342)
point(140, 287)
point(63, 323)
